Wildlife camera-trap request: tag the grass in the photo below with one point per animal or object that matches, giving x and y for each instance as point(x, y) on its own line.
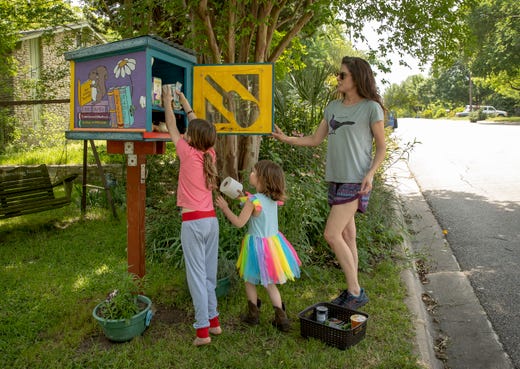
point(56, 266)
point(70, 153)
point(512, 119)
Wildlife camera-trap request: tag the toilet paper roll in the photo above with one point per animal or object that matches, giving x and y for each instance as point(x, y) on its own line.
point(231, 188)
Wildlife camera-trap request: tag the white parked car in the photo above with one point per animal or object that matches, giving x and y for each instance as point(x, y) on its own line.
point(486, 109)
point(492, 112)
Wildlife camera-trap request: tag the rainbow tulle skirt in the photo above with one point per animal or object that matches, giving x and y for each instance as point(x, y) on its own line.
point(268, 260)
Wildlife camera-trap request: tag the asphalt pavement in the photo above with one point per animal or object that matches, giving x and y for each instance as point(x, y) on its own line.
point(452, 329)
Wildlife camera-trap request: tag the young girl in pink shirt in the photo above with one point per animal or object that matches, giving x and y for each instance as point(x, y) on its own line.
point(199, 230)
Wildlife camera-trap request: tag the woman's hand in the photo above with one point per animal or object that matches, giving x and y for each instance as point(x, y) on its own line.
point(366, 184)
point(279, 135)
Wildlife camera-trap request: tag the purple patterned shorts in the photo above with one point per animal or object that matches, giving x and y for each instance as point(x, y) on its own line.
point(341, 193)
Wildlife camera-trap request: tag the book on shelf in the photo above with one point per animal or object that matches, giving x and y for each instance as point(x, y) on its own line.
point(126, 106)
point(157, 91)
point(84, 92)
point(94, 116)
point(94, 123)
point(112, 107)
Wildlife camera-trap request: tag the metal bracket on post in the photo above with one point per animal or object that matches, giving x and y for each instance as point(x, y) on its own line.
point(132, 160)
point(129, 147)
point(143, 173)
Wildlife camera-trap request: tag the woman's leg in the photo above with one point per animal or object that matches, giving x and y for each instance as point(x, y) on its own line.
point(339, 221)
point(349, 235)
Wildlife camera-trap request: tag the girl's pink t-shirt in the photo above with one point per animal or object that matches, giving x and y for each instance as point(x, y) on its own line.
point(192, 192)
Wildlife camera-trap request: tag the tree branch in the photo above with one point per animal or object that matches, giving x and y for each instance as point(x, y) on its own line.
point(232, 19)
point(275, 16)
point(261, 31)
point(304, 19)
point(246, 41)
point(203, 14)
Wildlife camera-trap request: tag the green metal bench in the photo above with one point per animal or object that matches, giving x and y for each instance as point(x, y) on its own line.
point(26, 190)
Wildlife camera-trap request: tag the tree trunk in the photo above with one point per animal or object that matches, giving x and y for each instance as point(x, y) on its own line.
point(238, 154)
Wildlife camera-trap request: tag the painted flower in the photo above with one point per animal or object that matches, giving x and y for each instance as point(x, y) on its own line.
point(124, 67)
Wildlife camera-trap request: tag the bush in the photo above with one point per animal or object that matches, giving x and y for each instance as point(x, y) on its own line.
point(477, 115)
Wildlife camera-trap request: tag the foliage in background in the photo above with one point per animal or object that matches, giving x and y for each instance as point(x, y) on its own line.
point(486, 54)
point(17, 16)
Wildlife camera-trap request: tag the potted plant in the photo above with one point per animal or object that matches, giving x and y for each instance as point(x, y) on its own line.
point(125, 313)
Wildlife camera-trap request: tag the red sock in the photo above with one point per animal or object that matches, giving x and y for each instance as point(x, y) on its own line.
point(213, 322)
point(203, 332)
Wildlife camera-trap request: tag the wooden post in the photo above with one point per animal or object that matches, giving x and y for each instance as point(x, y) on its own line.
point(136, 152)
point(135, 211)
point(84, 180)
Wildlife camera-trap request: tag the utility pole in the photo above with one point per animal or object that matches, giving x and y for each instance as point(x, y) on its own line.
point(470, 92)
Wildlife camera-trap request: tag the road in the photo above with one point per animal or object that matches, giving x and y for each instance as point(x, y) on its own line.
point(469, 174)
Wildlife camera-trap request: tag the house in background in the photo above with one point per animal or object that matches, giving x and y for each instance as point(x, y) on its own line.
point(40, 90)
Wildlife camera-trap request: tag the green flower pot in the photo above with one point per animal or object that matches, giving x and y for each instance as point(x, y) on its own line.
point(223, 285)
point(121, 330)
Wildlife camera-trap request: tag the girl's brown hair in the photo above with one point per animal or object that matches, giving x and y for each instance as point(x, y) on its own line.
point(272, 179)
point(363, 78)
point(203, 136)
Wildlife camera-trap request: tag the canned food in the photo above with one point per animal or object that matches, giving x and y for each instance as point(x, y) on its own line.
point(322, 313)
point(357, 319)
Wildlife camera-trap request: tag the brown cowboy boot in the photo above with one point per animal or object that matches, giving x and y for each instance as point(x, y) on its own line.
point(252, 315)
point(280, 319)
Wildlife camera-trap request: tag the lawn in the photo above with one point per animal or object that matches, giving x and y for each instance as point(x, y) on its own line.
point(56, 266)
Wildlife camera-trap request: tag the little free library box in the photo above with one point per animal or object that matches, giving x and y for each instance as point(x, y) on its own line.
point(116, 91)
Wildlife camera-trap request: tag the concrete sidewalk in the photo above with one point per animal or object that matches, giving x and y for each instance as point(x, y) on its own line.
point(452, 329)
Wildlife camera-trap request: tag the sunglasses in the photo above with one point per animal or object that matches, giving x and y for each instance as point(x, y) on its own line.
point(342, 75)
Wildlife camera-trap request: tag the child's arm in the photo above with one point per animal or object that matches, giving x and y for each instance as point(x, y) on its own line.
point(240, 220)
point(169, 116)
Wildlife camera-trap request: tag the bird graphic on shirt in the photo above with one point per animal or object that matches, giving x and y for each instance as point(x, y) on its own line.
point(334, 124)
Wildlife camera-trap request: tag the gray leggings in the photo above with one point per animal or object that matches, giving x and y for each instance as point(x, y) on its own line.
point(199, 239)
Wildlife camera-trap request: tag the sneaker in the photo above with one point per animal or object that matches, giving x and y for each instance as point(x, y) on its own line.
point(346, 299)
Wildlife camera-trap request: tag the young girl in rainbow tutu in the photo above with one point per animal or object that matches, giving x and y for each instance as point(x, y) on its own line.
point(266, 257)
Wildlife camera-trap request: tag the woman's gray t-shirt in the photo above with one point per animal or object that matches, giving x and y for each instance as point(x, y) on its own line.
point(349, 150)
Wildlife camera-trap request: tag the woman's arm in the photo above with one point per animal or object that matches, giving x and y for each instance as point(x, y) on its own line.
point(378, 130)
point(240, 220)
point(313, 140)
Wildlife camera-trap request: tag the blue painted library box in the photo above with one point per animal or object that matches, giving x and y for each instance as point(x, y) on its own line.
point(116, 88)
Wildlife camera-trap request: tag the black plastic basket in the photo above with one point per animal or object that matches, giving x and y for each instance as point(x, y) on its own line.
point(332, 336)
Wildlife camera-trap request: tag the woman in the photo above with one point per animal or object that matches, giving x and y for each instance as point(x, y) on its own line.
point(352, 123)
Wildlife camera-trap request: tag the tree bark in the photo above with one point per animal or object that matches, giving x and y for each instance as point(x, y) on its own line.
point(238, 154)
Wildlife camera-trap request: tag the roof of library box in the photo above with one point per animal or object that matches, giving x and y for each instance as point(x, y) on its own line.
point(138, 42)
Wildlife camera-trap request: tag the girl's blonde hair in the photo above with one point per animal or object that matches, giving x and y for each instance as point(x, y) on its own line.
point(271, 178)
point(203, 136)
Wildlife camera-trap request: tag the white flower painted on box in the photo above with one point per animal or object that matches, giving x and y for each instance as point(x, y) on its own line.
point(124, 67)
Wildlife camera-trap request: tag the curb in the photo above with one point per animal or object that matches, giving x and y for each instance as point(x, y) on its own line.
point(421, 320)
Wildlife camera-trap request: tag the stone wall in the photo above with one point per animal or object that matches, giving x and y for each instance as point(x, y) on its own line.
point(50, 80)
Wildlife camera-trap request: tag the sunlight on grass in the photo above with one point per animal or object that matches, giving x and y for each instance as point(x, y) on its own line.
point(71, 153)
point(103, 269)
point(80, 283)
